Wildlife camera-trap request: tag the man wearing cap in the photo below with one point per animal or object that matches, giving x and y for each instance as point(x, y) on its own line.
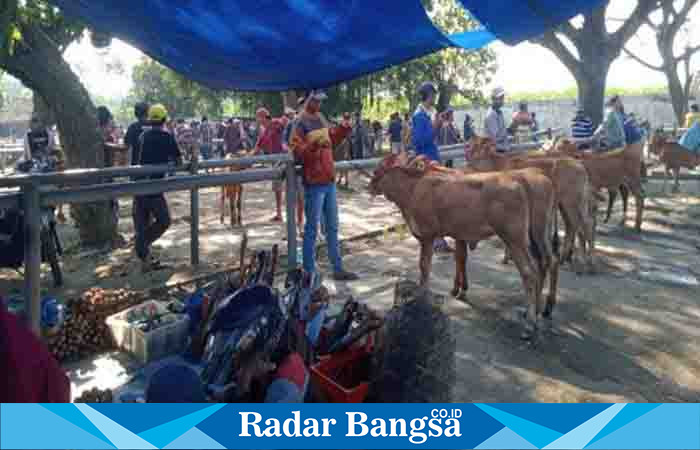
point(270, 142)
point(312, 142)
point(151, 214)
point(494, 123)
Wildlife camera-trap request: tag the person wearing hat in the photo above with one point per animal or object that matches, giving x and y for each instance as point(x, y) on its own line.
point(270, 142)
point(613, 126)
point(494, 123)
point(151, 214)
point(312, 142)
point(426, 123)
point(581, 128)
point(693, 116)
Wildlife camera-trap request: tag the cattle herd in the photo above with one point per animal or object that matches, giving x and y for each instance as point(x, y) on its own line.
point(518, 198)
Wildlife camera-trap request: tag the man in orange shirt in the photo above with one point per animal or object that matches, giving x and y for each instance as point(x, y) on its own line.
point(312, 141)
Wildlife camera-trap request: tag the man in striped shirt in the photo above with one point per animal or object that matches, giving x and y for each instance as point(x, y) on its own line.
point(581, 128)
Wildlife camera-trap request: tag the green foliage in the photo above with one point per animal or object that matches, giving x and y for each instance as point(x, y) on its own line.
point(572, 93)
point(155, 83)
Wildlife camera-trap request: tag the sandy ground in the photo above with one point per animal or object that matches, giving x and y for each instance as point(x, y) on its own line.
point(628, 333)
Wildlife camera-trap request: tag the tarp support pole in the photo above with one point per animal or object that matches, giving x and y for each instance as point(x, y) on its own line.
point(291, 181)
point(32, 255)
point(194, 219)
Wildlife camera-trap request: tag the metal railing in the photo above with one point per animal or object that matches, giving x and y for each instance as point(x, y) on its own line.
point(32, 192)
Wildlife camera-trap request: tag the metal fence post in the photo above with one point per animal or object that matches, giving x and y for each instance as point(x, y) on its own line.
point(291, 178)
point(31, 202)
point(194, 219)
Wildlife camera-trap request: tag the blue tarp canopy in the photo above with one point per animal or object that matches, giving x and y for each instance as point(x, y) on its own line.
point(267, 45)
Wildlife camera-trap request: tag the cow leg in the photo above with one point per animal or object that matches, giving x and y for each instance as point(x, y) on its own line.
point(612, 196)
point(426, 261)
point(460, 282)
point(625, 195)
point(222, 204)
point(676, 180)
point(667, 173)
point(232, 208)
point(636, 190)
point(569, 234)
point(239, 205)
point(529, 273)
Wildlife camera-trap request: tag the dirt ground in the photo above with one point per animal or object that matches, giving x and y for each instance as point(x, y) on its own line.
point(628, 333)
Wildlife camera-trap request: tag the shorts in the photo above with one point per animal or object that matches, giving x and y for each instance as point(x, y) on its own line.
point(396, 148)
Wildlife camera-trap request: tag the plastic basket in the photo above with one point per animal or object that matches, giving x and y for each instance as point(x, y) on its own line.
point(343, 377)
point(146, 346)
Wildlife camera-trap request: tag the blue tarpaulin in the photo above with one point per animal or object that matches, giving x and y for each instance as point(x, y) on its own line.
point(299, 44)
point(513, 21)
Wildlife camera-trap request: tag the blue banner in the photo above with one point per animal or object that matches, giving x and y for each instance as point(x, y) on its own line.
point(349, 426)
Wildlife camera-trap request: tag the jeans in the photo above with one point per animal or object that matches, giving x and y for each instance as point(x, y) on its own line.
point(148, 231)
point(320, 203)
point(205, 151)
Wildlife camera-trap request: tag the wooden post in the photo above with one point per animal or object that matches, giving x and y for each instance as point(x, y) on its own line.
point(32, 255)
point(194, 218)
point(291, 178)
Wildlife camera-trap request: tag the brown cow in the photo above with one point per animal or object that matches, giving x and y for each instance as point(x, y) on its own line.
point(571, 183)
point(612, 169)
point(234, 194)
point(437, 202)
point(674, 156)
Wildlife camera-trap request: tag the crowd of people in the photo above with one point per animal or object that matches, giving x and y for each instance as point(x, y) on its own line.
point(155, 138)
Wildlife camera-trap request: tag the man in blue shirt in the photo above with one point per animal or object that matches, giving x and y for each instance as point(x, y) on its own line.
point(424, 126)
point(425, 130)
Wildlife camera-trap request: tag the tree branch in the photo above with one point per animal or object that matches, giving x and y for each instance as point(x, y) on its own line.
point(550, 41)
point(689, 51)
point(641, 61)
point(632, 24)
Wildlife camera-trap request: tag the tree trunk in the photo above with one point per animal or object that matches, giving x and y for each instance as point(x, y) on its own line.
point(39, 64)
point(41, 110)
point(679, 100)
point(591, 95)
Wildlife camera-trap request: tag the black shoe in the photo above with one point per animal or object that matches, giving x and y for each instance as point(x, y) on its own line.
point(343, 275)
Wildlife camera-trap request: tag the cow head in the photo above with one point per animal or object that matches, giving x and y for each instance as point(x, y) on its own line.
point(388, 163)
point(482, 147)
